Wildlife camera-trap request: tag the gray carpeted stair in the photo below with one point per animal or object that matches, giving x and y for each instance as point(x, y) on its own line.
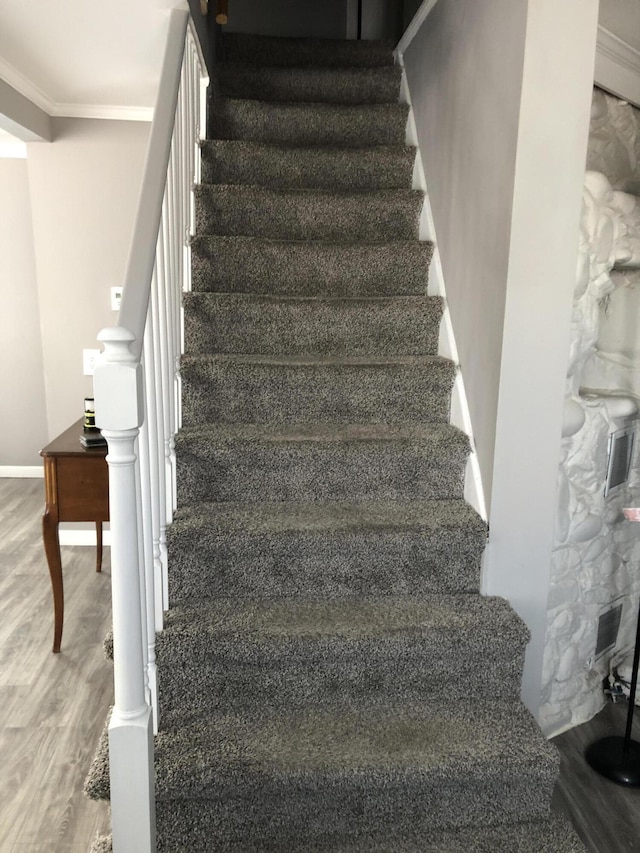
point(347, 169)
point(307, 214)
point(308, 124)
point(305, 52)
point(551, 835)
point(327, 85)
point(311, 268)
point(303, 389)
point(330, 678)
point(324, 550)
point(246, 462)
point(318, 653)
point(297, 326)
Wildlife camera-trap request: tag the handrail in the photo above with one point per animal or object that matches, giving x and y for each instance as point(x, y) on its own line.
point(141, 261)
point(137, 397)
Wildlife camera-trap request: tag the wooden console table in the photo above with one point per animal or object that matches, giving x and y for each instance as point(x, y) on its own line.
point(77, 489)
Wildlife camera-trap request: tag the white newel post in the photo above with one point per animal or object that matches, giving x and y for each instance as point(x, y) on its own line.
point(118, 390)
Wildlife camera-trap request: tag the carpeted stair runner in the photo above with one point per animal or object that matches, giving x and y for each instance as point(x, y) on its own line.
point(330, 678)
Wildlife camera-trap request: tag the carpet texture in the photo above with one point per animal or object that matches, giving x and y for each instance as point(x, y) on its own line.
point(330, 678)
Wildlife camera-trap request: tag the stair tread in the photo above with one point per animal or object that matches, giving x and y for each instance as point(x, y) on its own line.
point(405, 746)
point(396, 620)
point(269, 299)
point(325, 433)
point(240, 190)
point(369, 361)
point(337, 245)
point(430, 516)
point(382, 152)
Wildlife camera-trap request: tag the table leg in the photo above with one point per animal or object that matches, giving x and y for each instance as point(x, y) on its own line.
point(99, 546)
point(52, 550)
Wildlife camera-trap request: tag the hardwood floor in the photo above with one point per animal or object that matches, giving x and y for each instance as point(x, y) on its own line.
point(52, 707)
point(606, 815)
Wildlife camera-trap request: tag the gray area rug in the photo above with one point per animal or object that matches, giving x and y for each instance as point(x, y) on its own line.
point(330, 677)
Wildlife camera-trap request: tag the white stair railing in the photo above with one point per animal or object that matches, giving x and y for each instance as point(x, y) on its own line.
point(136, 388)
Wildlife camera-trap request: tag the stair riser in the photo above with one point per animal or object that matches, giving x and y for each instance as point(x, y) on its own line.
point(311, 85)
point(261, 266)
point(301, 813)
point(223, 675)
point(225, 162)
point(255, 326)
point(305, 124)
point(290, 471)
point(275, 394)
point(336, 565)
point(281, 215)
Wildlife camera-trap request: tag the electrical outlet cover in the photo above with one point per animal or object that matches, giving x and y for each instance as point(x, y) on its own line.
point(89, 357)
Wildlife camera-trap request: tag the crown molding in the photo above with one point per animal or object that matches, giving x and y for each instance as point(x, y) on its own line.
point(23, 85)
point(101, 111)
point(617, 67)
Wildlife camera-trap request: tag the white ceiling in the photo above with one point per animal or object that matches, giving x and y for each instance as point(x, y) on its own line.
point(84, 57)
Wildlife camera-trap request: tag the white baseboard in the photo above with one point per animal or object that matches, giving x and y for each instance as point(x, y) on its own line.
point(82, 536)
point(21, 471)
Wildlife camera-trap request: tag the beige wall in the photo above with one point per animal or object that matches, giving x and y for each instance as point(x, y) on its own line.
point(23, 422)
point(84, 189)
point(502, 92)
point(466, 99)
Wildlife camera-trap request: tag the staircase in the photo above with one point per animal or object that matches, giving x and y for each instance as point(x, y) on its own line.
point(330, 678)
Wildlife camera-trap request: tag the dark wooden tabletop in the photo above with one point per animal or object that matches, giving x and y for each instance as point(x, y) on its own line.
point(68, 444)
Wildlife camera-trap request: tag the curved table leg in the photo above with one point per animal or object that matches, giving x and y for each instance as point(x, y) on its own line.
point(52, 550)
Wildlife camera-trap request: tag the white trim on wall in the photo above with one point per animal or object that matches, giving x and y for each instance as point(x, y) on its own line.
point(21, 471)
point(460, 415)
point(103, 111)
point(617, 66)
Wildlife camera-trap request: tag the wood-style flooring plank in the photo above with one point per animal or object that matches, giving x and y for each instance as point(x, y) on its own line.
point(605, 815)
point(52, 707)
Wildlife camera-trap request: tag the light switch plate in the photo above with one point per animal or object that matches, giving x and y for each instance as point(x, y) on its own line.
point(116, 296)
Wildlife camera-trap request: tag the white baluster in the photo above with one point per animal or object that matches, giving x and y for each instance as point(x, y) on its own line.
point(118, 388)
point(147, 592)
point(158, 524)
